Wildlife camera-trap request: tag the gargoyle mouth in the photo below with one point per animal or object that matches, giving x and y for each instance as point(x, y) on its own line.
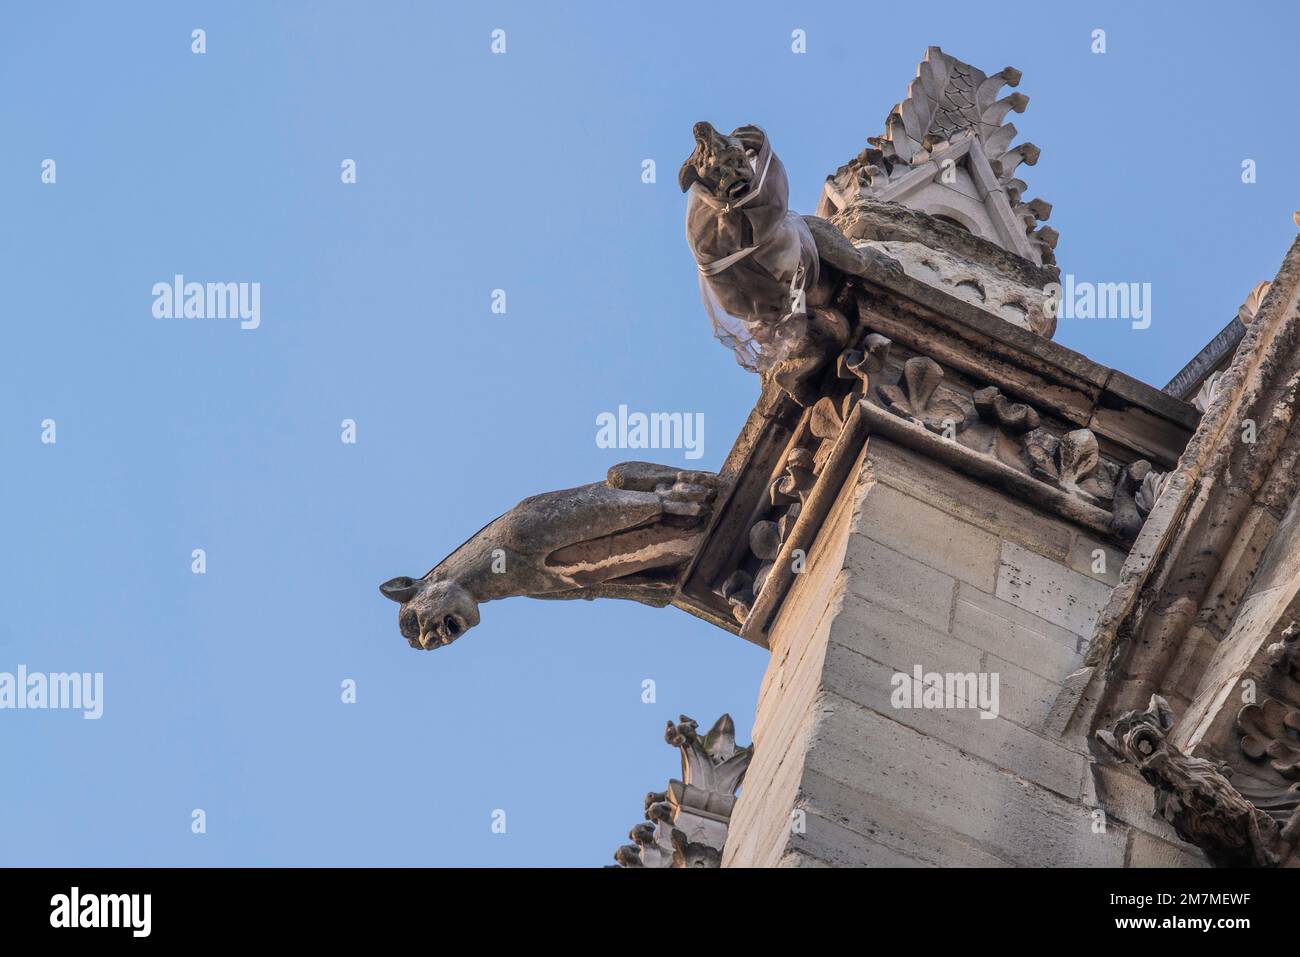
point(737, 189)
point(443, 632)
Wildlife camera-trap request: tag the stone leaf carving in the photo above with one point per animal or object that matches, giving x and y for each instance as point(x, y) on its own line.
point(826, 420)
point(1148, 493)
point(1134, 497)
point(739, 592)
point(796, 479)
point(787, 493)
point(1192, 794)
point(1067, 460)
point(1246, 313)
point(920, 398)
point(996, 409)
point(625, 537)
point(1271, 732)
point(686, 826)
point(1208, 391)
point(857, 366)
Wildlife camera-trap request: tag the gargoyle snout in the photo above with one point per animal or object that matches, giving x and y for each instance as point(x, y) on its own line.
point(434, 612)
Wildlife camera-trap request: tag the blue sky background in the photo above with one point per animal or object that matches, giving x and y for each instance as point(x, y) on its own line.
point(476, 172)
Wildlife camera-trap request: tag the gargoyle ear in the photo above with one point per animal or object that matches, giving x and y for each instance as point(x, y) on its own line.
point(751, 137)
point(1164, 714)
point(400, 589)
point(1108, 739)
point(688, 174)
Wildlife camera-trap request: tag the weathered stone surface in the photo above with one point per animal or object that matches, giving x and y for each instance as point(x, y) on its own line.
point(787, 699)
point(1051, 591)
point(947, 544)
point(1024, 825)
point(894, 826)
point(891, 579)
point(852, 675)
point(1013, 634)
point(1148, 851)
point(970, 501)
point(1096, 560)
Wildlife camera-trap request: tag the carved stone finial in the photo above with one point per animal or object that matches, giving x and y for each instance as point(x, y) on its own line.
point(947, 151)
point(686, 826)
point(1193, 794)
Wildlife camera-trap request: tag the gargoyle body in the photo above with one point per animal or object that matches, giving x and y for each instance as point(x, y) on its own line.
point(1193, 794)
point(626, 537)
point(766, 279)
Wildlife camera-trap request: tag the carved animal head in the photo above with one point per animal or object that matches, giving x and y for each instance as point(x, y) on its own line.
point(434, 612)
point(723, 165)
point(1140, 736)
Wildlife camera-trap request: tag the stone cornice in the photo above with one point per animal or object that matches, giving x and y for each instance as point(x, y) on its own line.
point(1029, 416)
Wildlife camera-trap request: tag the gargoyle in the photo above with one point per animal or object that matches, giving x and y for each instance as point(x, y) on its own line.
point(625, 537)
point(767, 275)
point(1193, 794)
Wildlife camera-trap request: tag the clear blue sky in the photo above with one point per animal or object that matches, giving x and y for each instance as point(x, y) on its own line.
point(475, 172)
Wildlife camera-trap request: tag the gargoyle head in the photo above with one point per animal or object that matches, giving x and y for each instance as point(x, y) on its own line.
point(434, 612)
point(1140, 736)
point(723, 165)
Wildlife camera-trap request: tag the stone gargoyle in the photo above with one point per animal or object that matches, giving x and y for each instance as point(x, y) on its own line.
point(768, 276)
point(1193, 794)
point(625, 537)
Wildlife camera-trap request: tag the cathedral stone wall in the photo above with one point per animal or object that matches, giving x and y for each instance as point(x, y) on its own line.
point(918, 565)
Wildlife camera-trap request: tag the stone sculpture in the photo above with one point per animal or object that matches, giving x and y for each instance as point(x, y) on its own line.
point(1193, 794)
point(762, 275)
point(625, 537)
point(686, 825)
